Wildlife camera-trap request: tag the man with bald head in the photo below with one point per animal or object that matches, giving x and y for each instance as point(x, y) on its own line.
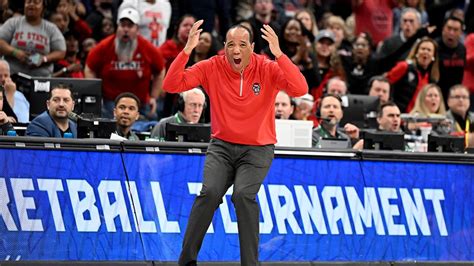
point(242, 87)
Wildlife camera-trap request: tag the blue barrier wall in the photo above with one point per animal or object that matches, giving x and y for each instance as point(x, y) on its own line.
point(85, 205)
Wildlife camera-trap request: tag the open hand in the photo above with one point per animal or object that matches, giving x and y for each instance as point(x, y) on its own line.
point(272, 38)
point(193, 37)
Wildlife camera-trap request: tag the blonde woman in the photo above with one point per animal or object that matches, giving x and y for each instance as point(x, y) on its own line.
point(430, 104)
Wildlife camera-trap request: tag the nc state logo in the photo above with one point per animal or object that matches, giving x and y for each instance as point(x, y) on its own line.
point(256, 88)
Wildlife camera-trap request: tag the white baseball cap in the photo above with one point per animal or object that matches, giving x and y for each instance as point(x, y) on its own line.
point(129, 13)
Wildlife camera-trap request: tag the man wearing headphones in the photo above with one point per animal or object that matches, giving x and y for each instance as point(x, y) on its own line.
point(190, 107)
point(330, 113)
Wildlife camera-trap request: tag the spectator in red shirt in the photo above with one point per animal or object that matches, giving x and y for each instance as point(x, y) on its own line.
point(127, 62)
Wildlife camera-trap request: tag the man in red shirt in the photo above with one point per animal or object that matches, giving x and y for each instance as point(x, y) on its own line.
point(127, 62)
point(242, 87)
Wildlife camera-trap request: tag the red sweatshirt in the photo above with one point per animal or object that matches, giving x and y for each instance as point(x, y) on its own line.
point(242, 105)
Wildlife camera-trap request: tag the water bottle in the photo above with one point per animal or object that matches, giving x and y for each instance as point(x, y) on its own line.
point(67, 135)
point(11, 133)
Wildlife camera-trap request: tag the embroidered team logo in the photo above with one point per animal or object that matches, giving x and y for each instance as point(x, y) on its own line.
point(256, 88)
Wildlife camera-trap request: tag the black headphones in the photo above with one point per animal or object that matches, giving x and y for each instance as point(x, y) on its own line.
point(181, 102)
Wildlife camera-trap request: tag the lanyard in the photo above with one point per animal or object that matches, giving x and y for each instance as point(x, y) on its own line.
point(466, 137)
point(177, 118)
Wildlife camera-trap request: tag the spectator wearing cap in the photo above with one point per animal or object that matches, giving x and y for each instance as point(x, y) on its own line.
point(329, 63)
point(127, 62)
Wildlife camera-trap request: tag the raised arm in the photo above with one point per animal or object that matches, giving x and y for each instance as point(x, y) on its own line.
point(289, 77)
point(178, 79)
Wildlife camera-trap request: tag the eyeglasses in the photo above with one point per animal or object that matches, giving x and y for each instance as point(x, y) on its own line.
point(459, 97)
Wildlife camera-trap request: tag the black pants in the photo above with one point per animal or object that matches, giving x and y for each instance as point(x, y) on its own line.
point(228, 164)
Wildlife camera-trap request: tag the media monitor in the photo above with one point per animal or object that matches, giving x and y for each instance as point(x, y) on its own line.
point(87, 93)
point(360, 110)
point(101, 128)
point(383, 140)
point(445, 143)
point(184, 132)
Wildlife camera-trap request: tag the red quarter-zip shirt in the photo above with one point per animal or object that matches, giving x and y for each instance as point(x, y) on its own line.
point(242, 104)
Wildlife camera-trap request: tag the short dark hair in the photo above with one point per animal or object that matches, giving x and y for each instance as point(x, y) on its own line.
point(452, 17)
point(127, 95)
point(61, 86)
point(387, 104)
point(243, 27)
point(378, 78)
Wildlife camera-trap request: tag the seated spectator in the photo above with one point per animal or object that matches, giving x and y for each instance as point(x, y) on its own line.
point(380, 86)
point(303, 107)
point(284, 106)
point(330, 113)
point(388, 117)
point(70, 67)
point(430, 103)
point(126, 113)
point(459, 114)
point(32, 55)
point(14, 99)
point(5, 124)
point(336, 86)
point(55, 121)
point(190, 108)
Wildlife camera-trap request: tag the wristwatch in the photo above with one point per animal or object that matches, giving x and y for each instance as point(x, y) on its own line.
point(64, 69)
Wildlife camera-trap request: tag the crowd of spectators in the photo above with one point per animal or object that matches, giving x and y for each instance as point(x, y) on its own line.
point(416, 56)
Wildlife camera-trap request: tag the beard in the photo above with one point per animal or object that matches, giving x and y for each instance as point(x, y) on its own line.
point(125, 50)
